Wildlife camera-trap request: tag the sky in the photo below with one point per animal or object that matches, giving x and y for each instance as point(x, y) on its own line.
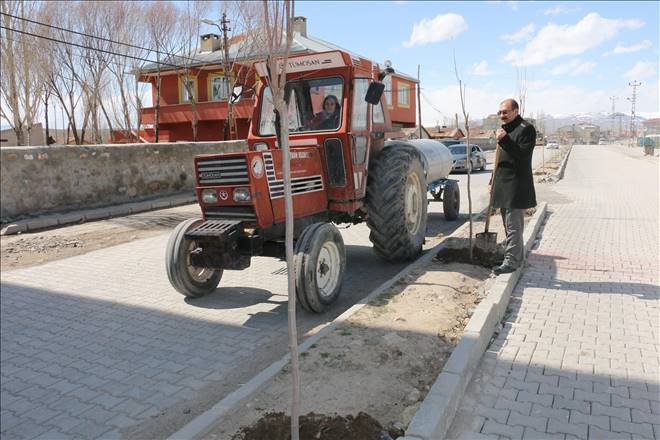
point(575, 55)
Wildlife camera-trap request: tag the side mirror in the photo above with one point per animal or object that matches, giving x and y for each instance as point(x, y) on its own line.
point(236, 94)
point(374, 92)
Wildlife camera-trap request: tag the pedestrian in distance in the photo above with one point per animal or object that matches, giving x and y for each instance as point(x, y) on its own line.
point(513, 189)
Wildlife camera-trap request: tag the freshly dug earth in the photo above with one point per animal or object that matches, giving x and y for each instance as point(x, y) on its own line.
point(378, 364)
point(277, 426)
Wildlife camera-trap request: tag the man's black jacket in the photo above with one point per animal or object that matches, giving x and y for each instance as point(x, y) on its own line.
point(514, 182)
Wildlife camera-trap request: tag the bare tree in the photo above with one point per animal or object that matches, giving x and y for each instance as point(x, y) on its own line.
point(21, 87)
point(165, 39)
point(129, 53)
point(468, 149)
point(242, 44)
point(64, 69)
point(278, 26)
point(190, 24)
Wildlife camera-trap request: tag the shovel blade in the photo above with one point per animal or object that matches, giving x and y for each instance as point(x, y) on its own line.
point(486, 241)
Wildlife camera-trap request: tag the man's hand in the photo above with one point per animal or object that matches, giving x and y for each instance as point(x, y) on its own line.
point(500, 133)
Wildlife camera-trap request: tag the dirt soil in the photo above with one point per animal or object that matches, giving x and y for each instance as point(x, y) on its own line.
point(30, 249)
point(367, 378)
point(371, 373)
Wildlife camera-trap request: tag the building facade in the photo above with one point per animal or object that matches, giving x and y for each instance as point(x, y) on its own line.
point(194, 96)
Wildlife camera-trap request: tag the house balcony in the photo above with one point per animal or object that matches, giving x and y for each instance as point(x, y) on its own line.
point(206, 111)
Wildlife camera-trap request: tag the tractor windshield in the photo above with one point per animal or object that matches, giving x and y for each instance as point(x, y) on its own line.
point(314, 105)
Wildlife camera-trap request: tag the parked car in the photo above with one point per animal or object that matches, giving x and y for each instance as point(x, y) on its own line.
point(552, 145)
point(458, 151)
point(449, 142)
point(602, 142)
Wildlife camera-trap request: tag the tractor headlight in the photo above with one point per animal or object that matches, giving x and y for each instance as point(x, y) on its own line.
point(242, 195)
point(209, 196)
point(260, 146)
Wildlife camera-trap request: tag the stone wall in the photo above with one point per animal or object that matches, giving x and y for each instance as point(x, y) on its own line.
point(39, 180)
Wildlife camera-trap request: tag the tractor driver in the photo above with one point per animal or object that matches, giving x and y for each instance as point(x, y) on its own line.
point(329, 118)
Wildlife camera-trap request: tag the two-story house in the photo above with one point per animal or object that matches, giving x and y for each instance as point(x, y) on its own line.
point(204, 82)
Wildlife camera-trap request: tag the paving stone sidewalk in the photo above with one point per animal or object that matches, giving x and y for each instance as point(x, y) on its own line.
point(579, 353)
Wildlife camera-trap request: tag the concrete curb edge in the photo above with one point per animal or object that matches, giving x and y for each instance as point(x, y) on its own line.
point(50, 220)
point(200, 424)
point(435, 415)
point(560, 172)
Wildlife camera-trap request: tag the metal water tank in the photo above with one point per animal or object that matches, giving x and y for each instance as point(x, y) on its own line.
point(436, 156)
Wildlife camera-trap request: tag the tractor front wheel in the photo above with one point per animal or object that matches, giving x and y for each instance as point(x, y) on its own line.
point(187, 279)
point(320, 265)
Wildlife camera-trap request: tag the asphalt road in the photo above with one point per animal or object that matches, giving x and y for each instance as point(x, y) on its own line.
point(100, 345)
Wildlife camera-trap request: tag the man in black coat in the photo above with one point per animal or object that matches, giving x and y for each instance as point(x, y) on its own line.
point(513, 189)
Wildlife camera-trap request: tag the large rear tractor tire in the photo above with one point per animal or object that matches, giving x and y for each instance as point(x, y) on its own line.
point(187, 279)
point(451, 201)
point(397, 203)
point(320, 265)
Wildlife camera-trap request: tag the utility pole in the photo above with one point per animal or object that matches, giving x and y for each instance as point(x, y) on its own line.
point(419, 103)
point(613, 99)
point(224, 22)
point(633, 129)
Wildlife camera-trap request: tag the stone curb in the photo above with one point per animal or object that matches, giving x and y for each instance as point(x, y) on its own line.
point(48, 221)
point(435, 415)
point(202, 423)
point(559, 174)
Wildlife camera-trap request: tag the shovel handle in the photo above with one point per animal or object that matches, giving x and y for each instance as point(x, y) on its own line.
point(492, 185)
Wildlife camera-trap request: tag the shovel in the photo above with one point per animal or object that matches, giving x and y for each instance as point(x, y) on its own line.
point(486, 242)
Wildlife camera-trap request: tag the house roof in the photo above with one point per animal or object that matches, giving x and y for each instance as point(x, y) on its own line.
point(301, 44)
point(409, 131)
point(446, 133)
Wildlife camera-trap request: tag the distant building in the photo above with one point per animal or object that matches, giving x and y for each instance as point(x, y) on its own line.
point(445, 133)
point(651, 126)
point(492, 122)
point(579, 134)
point(413, 133)
point(34, 139)
point(484, 137)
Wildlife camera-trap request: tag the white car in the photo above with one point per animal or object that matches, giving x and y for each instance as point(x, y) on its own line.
point(552, 146)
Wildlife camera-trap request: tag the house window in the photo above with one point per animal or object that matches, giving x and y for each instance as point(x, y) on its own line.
point(387, 81)
point(403, 94)
point(218, 87)
point(187, 89)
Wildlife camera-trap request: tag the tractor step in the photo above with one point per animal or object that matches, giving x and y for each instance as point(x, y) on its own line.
point(225, 229)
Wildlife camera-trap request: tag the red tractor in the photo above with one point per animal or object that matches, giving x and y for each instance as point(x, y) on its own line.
point(345, 168)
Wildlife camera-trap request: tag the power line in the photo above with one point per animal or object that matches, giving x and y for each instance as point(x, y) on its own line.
point(99, 38)
point(91, 48)
point(77, 32)
point(30, 43)
point(428, 101)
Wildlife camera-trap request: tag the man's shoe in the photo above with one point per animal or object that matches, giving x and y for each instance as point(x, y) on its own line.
point(504, 268)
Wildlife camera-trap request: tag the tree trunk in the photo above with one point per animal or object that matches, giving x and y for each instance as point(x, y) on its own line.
point(288, 209)
point(46, 118)
point(157, 109)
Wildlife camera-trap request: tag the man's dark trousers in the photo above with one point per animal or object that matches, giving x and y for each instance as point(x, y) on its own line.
point(513, 220)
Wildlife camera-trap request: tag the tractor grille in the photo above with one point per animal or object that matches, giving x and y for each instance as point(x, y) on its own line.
point(214, 228)
point(298, 186)
point(230, 212)
point(223, 171)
